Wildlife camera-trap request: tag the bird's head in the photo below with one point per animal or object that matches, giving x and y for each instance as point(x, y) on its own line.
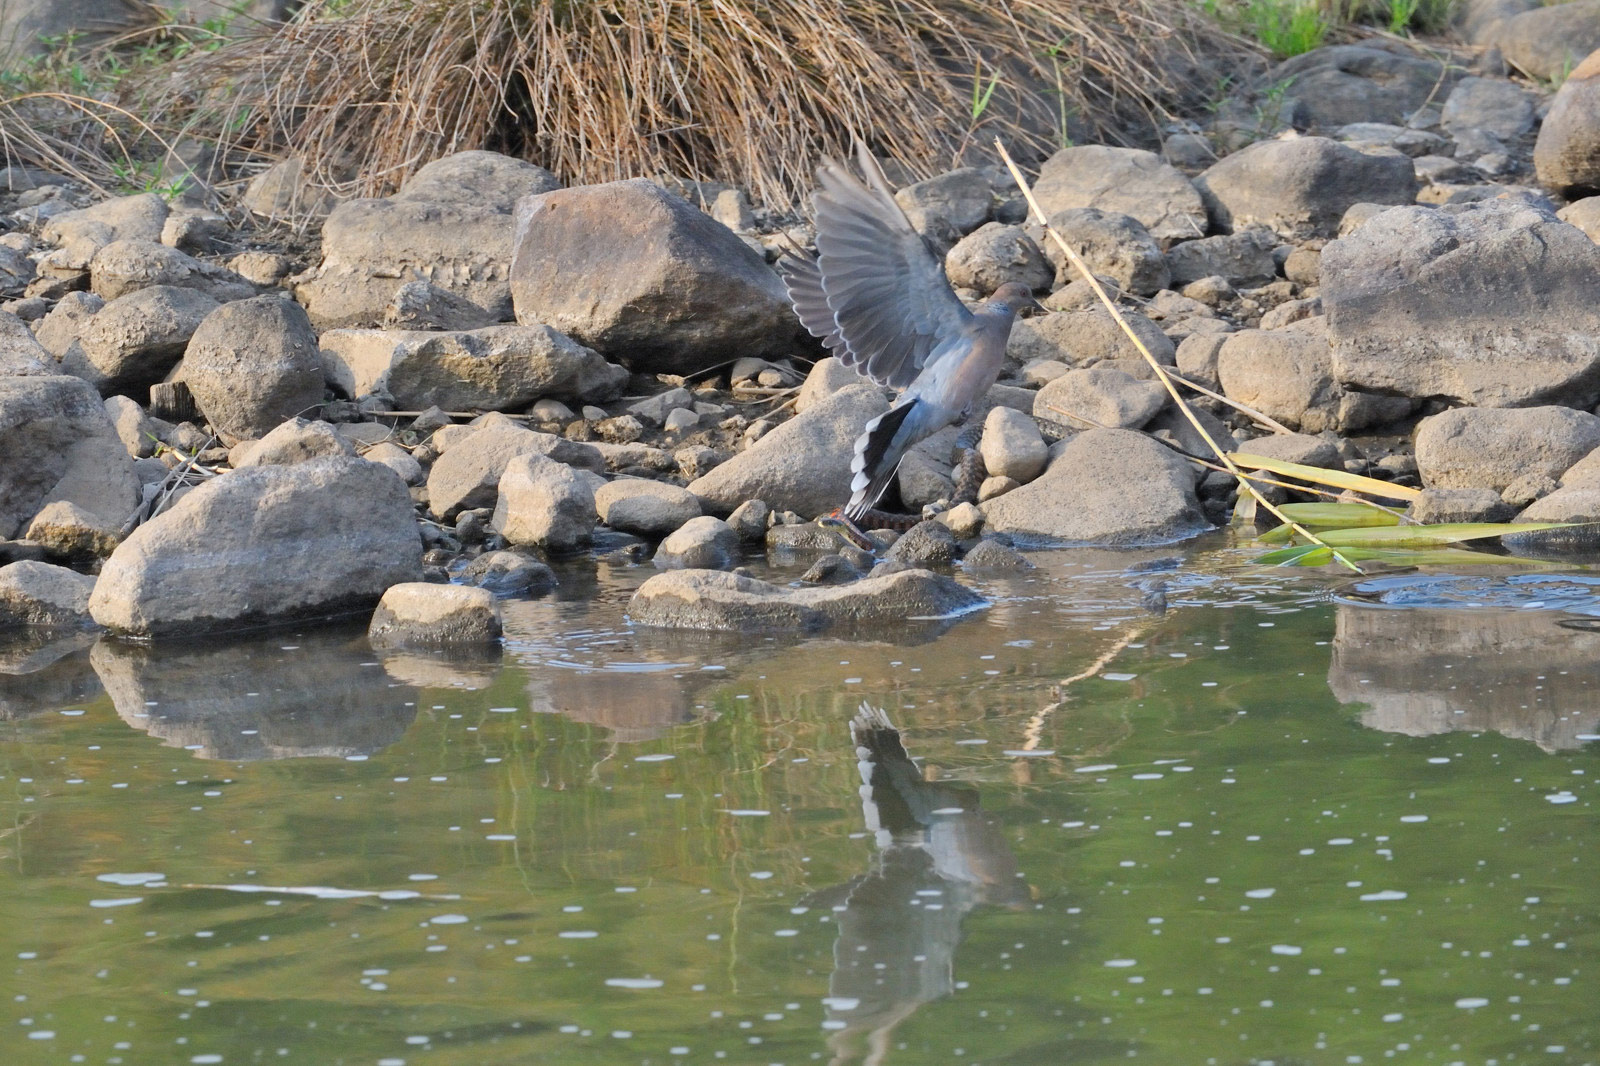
point(1015, 297)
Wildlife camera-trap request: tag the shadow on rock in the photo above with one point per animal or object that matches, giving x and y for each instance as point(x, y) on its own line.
point(44, 670)
point(938, 857)
point(1423, 671)
point(292, 695)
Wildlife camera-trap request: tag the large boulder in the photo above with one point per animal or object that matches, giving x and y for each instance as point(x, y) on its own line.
point(135, 339)
point(1287, 374)
point(120, 218)
point(58, 444)
point(421, 612)
point(252, 364)
point(1493, 105)
point(645, 508)
point(1101, 397)
point(1546, 42)
point(1128, 181)
point(126, 266)
point(1107, 486)
point(995, 254)
point(712, 600)
point(265, 545)
point(640, 275)
point(39, 594)
point(1567, 153)
point(1110, 244)
point(1302, 187)
point(499, 368)
point(1493, 304)
point(1332, 87)
point(450, 224)
point(1477, 448)
point(544, 504)
point(804, 464)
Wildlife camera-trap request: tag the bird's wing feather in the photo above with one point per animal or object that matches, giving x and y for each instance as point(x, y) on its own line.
point(889, 301)
point(803, 280)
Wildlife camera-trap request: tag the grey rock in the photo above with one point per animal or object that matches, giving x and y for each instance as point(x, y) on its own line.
point(468, 474)
point(544, 504)
point(496, 368)
point(703, 543)
point(804, 464)
point(59, 444)
point(507, 573)
point(140, 217)
point(39, 594)
point(1548, 41)
point(1112, 487)
point(666, 288)
point(20, 353)
point(1302, 187)
point(284, 193)
point(235, 550)
point(424, 305)
point(1567, 153)
point(654, 409)
point(1303, 448)
point(1487, 448)
point(1332, 87)
point(991, 555)
point(450, 225)
point(67, 531)
point(296, 441)
point(831, 570)
point(1197, 358)
point(1288, 375)
point(709, 600)
point(1128, 181)
point(1491, 104)
point(1111, 244)
point(1410, 310)
point(397, 459)
point(1243, 259)
point(1084, 338)
point(962, 199)
point(749, 520)
point(645, 508)
point(126, 266)
point(1099, 397)
point(139, 433)
point(995, 254)
point(928, 543)
point(827, 377)
point(1011, 445)
point(786, 538)
point(251, 365)
point(135, 340)
point(1435, 506)
point(420, 612)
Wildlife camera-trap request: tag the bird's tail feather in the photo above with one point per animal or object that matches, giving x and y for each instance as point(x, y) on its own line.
point(878, 453)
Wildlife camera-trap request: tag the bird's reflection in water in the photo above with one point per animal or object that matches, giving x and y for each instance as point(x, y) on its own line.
point(937, 858)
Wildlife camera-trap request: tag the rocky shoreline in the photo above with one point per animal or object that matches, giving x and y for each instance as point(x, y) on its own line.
point(1397, 268)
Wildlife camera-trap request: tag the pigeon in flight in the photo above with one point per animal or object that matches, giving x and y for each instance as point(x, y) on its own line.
point(878, 300)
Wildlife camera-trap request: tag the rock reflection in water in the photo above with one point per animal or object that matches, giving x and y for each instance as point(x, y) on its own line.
point(899, 924)
point(1424, 671)
point(633, 705)
point(275, 697)
point(44, 670)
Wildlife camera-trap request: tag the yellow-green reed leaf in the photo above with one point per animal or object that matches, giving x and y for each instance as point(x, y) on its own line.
point(1338, 479)
point(1445, 557)
point(1328, 516)
point(1441, 535)
point(1298, 555)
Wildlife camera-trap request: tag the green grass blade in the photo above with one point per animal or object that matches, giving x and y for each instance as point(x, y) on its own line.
point(1328, 516)
point(1447, 557)
point(1441, 535)
point(1338, 479)
point(1298, 555)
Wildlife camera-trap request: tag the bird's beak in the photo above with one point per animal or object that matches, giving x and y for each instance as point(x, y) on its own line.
point(1034, 306)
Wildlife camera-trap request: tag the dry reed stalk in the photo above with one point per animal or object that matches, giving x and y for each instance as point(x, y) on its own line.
point(733, 90)
point(1166, 379)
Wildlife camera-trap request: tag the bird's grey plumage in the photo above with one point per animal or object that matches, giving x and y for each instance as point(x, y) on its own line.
point(879, 301)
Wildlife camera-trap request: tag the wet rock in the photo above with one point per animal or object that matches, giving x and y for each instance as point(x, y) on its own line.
point(788, 538)
point(1111, 244)
point(295, 441)
point(497, 368)
point(67, 531)
point(1128, 181)
point(991, 554)
point(43, 669)
point(1490, 448)
point(831, 570)
point(308, 702)
point(1434, 506)
point(961, 199)
point(1491, 304)
point(134, 340)
point(468, 474)
point(703, 543)
point(1084, 338)
point(993, 255)
point(59, 444)
point(544, 504)
point(1011, 445)
point(507, 573)
point(267, 544)
point(645, 508)
point(39, 594)
point(1302, 187)
point(710, 600)
point(416, 612)
point(1493, 105)
point(1099, 397)
point(450, 225)
point(926, 544)
point(804, 464)
point(1242, 259)
point(1567, 153)
point(1106, 486)
point(422, 305)
point(749, 520)
point(126, 266)
point(251, 365)
point(666, 287)
point(1546, 42)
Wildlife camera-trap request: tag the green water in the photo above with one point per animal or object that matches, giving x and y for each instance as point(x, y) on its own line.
point(1273, 823)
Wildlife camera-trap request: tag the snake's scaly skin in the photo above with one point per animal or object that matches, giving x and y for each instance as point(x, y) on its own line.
point(968, 476)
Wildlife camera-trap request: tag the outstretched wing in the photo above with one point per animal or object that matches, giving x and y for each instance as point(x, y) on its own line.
point(875, 295)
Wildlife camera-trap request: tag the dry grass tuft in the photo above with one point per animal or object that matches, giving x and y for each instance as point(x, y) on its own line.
point(745, 91)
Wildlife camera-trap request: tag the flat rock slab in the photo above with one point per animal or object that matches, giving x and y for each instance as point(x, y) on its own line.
point(1111, 487)
point(712, 600)
point(263, 545)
